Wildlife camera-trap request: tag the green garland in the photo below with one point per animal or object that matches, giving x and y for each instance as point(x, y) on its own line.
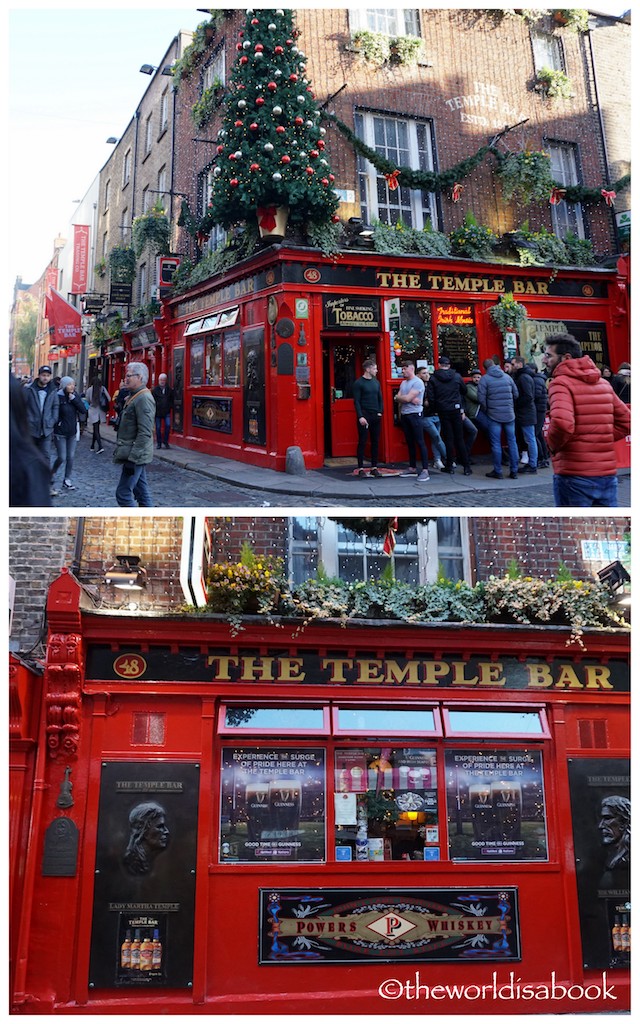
point(432, 181)
point(377, 527)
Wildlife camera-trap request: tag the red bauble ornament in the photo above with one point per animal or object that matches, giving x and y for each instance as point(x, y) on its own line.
point(289, 42)
point(254, 21)
point(254, 167)
point(332, 177)
point(234, 183)
point(325, 181)
point(293, 78)
point(259, 101)
point(313, 153)
point(271, 86)
point(238, 46)
point(335, 219)
point(310, 170)
point(232, 156)
point(281, 129)
point(278, 50)
point(238, 124)
point(285, 159)
point(320, 143)
point(299, 120)
point(244, 60)
point(309, 89)
point(253, 127)
point(258, 47)
point(220, 150)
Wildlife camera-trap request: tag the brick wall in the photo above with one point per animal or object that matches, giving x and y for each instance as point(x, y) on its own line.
point(612, 51)
point(37, 551)
point(267, 535)
point(540, 543)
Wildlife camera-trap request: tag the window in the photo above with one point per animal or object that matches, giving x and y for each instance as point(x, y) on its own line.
point(107, 193)
point(403, 142)
point(490, 722)
point(218, 236)
point(565, 217)
point(125, 227)
point(148, 728)
point(126, 168)
point(162, 186)
point(390, 21)
point(222, 358)
point(105, 240)
point(274, 720)
point(547, 51)
point(148, 134)
point(142, 284)
point(420, 552)
point(164, 110)
point(146, 199)
point(214, 72)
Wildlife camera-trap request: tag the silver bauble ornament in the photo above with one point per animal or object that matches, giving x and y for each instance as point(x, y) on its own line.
point(277, 176)
point(309, 124)
point(300, 99)
point(259, 55)
point(277, 111)
point(323, 131)
point(303, 156)
point(277, 74)
point(246, 45)
point(217, 171)
point(271, 26)
point(294, 50)
point(268, 147)
point(242, 104)
point(238, 154)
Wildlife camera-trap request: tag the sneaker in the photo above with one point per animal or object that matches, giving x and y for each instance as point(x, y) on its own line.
point(409, 472)
point(68, 486)
point(438, 464)
point(424, 476)
point(362, 472)
point(375, 472)
point(99, 451)
point(493, 475)
point(513, 476)
point(53, 492)
point(167, 445)
point(544, 464)
point(468, 471)
point(524, 458)
point(527, 469)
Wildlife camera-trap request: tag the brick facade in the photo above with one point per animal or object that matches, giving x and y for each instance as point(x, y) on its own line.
point(38, 548)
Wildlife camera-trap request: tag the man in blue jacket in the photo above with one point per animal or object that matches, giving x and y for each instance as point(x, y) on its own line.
point(497, 393)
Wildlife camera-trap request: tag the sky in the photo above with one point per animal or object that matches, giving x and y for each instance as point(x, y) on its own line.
point(72, 79)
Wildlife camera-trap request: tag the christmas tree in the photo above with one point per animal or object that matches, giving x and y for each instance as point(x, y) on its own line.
point(271, 146)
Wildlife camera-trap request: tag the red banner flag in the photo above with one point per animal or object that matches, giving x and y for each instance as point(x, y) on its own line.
point(80, 258)
point(390, 539)
point(65, 320)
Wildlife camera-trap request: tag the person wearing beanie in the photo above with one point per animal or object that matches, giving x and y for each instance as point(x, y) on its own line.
point(621, 383)
point(66, 432)
point(42, 410)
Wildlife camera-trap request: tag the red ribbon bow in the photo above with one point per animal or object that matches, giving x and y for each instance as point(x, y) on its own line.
point(202, 237)
point(457, 192)
point(392, 180)
point(390, 539)
point(557, 195)
point(607, 196)
point(267, 217)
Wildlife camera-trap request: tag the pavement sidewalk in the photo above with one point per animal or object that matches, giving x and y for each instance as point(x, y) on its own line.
point(341, 483)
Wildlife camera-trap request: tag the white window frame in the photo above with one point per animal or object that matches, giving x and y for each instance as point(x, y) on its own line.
point(421, 206)
point(148, 134)
point(107, 193)
point(164, 110)
point(146, 199)
point(389, 21)
point(163, 190)
point(429, 556)
point(126, 168)
point(547, 51)
point(214, 69)
point(218, 236)
point(565, 216)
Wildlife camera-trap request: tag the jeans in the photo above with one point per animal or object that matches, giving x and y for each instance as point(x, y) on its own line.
point(430, 428)
point(585, 491)
point(529, 434)
point(372, 431)
point(470, 432)
point(96, 439)
point(543, 451)
point(133, 489)
point(66, 449)
point(43, 444)
point(414, 436)
point(160, 422)
point(495, 431)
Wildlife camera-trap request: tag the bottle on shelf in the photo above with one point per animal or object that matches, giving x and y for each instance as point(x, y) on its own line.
point(615, 935)
point(157, 950)
point(146, 953)
point(135, 951)
point(125, 951)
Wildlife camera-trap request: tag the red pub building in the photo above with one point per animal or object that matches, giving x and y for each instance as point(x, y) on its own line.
point(313, 819)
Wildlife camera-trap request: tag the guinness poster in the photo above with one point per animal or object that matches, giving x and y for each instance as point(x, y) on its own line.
point(389, 925)
point(601, 819)
point(144, 891)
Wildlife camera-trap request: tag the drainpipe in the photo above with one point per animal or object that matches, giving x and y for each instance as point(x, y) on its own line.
point(603, 137)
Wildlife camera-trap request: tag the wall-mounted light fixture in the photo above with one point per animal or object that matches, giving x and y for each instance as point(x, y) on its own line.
point(359, 233)
point(127, 574)
point(112, 140)
point(148, 69)
point(615, 577)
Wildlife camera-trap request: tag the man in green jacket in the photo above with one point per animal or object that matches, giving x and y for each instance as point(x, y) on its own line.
point(134, 445)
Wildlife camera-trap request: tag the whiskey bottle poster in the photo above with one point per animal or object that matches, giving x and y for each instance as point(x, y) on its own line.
point(143, 907)
point(601, 821)
point(496, 805)
point(273, 805)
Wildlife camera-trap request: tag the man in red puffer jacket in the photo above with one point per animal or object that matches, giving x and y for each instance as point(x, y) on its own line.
point(586, 418)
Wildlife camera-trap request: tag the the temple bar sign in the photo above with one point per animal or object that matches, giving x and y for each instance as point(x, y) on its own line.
point(307, 668)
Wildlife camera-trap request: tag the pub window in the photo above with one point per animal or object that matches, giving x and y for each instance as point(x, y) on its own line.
point(386, 804)
point(457, 335)
point(515, 723)
point(565, 217)
point(405, 142)
point(222, 358)
point(146, 199)
point(547, 51)
point(274, 720)
point(391, 21)
point(125, 226)
point(422, 552)
point(214, 72)
point(385, 721)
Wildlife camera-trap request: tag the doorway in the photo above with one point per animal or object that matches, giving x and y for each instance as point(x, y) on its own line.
point(342, 365)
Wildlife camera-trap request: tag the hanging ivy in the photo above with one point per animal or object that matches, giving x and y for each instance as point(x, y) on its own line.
point(151, 231)
point(122, 264)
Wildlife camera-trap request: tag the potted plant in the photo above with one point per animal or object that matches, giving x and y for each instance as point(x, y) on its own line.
point(372, 46)
point(472, 239)
point(507, 314)
point(576, 19)
point(526, 175)
point(251, 586)
point(122, 264)
point(405, 49)
point(554, 83)
point(100, 269)
point(151, 232)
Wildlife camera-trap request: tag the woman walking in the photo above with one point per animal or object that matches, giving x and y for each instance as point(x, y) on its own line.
point(98, 398)
point(67, 431)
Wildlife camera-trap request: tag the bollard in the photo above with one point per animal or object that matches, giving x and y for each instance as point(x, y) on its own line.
point(294, 461)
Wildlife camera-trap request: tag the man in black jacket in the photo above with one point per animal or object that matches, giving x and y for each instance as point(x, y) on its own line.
point(446, 392)
point(525, 409)
point(541, 398)
point(164, 397)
